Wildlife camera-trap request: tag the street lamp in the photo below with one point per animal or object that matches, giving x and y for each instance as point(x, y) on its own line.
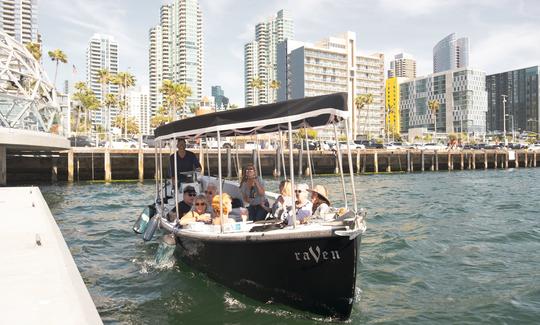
point(513, 135)
point(504, 118)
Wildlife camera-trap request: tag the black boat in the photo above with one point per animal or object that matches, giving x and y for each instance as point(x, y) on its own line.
point(309, 267)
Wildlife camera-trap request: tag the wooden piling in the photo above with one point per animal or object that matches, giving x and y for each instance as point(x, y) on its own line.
point(436, 160)
point(516, 161)
point(474, 160)
point(229, 162)
point(141, 164)
point(462, 161)
point(364, 163)
point(389, 162)
point(526, 159)
point(433, 162)
point(449, 160)
point(422, 165)
point(534, 159)
point(408, 161)
point(358, 161)
point(54, 169)
point(485, 160)
point(107, 165)
point(495, 160)
point(70, 165)
point(277, 162)
point(506, 159)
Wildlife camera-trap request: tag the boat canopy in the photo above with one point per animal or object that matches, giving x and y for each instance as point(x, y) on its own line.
point(307, 112)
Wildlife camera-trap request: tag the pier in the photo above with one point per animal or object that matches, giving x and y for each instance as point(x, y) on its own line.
point(39, 279)
point(102, 164)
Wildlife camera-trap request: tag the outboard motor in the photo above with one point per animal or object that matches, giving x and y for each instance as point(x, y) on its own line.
point(142, 222)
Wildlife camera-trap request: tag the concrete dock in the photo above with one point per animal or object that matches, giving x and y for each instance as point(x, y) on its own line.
point(39, 281)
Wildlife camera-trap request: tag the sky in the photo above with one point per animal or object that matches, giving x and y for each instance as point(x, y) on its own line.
point(503, 34)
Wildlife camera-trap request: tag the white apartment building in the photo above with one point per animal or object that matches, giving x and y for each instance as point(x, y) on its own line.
point(462, 98)
point(102, 53)
point(333, 65)
point(176, 50)
point(19, 19)
point(403, 66)
point(260, 57)
point(139, 108)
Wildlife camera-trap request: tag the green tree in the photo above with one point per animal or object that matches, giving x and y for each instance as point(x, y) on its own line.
point(58, 56)
point(87, 102)
point(105, 77)
point(160, 118)
point(256, 84)
point(128, 126)
point(275, 85)
point(124, 80)
point(175, 96)
point(434, 107)
point(34, 49)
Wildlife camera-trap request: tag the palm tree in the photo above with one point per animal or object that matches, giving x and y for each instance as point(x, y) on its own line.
point(256, 83)
point(275, 85)
point(104, 77)
point(34, 49)
point(368, 100)
point(58, 56)
point(434, 107)
point(88, 102)
point(175, 95)
point(359, 103)
point(125, 80)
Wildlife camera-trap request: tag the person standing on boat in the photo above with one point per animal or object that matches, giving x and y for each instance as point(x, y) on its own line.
point(252, 189)
point(319, 199)
point(186, 161)
point(185, 205)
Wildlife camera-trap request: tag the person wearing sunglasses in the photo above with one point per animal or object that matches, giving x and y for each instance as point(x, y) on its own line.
point(252, 189)
point(283, 203)
point(198, 212)
point(185, 205)
point(303, 204)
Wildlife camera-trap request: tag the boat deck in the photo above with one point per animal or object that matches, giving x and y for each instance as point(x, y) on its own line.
point(39, 279)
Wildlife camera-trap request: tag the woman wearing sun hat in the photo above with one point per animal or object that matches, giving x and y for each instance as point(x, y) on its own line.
point(319, 198)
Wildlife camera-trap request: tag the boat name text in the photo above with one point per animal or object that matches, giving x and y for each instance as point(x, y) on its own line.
point(316, 255)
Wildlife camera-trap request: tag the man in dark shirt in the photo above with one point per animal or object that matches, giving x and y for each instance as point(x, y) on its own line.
point(185, 205)
point(186, 161)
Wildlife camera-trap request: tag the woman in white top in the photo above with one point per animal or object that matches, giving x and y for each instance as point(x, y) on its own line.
point(319, 199)
point(284, 201)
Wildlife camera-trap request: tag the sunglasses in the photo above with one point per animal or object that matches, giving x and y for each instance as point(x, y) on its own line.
point(200, 204)
point(190, 194)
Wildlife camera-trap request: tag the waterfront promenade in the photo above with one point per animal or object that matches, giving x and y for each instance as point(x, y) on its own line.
point(39, 279)
point(100, 164)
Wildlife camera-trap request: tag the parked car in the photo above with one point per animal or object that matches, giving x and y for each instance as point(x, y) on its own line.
point(312, 145)
point(517, 145)
point(370, 144)
point(81, 141)
point(434, 146)
point(149, 140)
point(394, 145)
point(534, 147)
point(250, 145)
point(353, 145)
point(125, 144)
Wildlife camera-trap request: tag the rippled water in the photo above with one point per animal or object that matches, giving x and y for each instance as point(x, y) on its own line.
point(459, 247)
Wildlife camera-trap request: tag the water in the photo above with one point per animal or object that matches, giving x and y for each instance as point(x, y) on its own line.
point(458, 247)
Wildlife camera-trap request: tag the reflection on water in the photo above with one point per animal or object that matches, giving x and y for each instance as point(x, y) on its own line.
point(444, 247)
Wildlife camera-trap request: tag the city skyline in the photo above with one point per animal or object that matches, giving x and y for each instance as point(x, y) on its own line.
point(229, 25)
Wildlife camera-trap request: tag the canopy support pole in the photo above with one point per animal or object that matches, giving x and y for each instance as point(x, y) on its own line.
point(308, 158)
point(353, 188)
point(156, 177)
point(175, 180)
point(207, 158)
point(282, 154)
point(291, 168)
point(161, 174)
point(258, 155)
point(340, 164)
point(220, 181)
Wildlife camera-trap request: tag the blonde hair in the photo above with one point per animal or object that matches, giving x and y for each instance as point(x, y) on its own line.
point(227, 202)
point(285, 188)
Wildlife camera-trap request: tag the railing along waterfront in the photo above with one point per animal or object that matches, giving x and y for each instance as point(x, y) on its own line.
point(104, 164)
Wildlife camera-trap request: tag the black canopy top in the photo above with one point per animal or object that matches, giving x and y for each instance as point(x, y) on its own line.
point(306, 112)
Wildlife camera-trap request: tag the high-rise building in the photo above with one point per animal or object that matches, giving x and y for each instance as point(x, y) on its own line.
point(176, 51)
point(451, 53)
point(139, 108)
point(221, 101)
point(403, 65)
point(521, 88)
point(462, 98)
point(260, 58)
point(19, 19)
point(333, 65)
point(102, 53)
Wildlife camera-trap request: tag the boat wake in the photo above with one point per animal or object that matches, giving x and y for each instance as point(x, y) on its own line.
point(233, 304)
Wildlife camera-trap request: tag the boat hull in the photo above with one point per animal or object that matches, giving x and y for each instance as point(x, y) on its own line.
point(312, 274)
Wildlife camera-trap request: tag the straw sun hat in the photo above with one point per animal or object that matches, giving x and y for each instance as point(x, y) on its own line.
point(321, 192)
